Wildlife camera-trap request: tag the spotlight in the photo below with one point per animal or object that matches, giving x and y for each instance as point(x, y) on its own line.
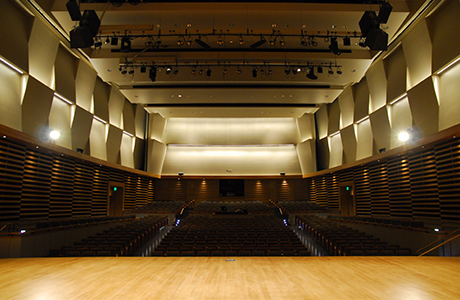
point(114, 41)
point(143, 69)
point(346, 41)
point(403, 136)
point(131, 71)
point(168, 70)
point(107, 40)
point(203, 44)
point(282, 42)
point(175, 72)
point(254, 73)
point(220, 41)
point(238, 71)
point(330, 71)
point(282, 173)
point(124, 72)
point(258, 43)
point(180, 41)
point(334, 47)
point(98, 44)
point(79, 150)
point(303, 42)
point(180, 173)
point(287, 71)
point(241, 41)
point(193, 71)
point(271, 42)
point(153, 73)
point(320, 69)
point(208, 73)
point(125, 45)
point(339, 71)
point(54, 135)
point(311, 74)
point(189, 41)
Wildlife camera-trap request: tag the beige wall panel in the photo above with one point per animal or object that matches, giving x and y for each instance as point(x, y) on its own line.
point(365, 141)
point(396, 69)
point(231, 131)
point(14, 45)
point(449, 91)
point(139, 156)
point(156, 157)
point(322, 154)
point(10, 100)
point(101, 99)
point(334, 117)
point(97, 140)
point(306, 126)
point(418, 53)
point(361, 92)
point(307, 156)
point(401, 120)
point(116, 103)
point(349, 144)
point(36, 108)
point(81, 128)
point(60, 120)
point(377, 82)
point(65, 72)
point(114, 144)
point(217, 160)
point(157, 126)
point(336, 151)
point(347, 107)
point(128, 117)
point(424, 107)
point(444, 26)
point(43, 48)
point(84, 85)
point(139, 121)
point(126, 151)
point(322, 121)
point(381, 129)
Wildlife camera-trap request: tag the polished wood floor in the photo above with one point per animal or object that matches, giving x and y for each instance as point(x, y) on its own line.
point(238, 278)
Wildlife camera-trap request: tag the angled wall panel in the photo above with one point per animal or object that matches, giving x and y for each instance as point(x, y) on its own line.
point(347, 107)
point(139, 121)
point(139, 153)
point(36, 108)
point(307, 156)
point(401, 120)
point(113, 144)
point(157, 126)
point(10, 103)
point(396, 70)
point(101, 99)
point(364, 146)
point(336, 151)
point(381, 130)
point(156, 156)
point(116, 103)
point(81, 128)
point(306, 125)
point(128, 117)
point(43, 48)
point(424, 107)
point(60, 120)
point(65, 72)
point(322, 154)
point(322, 121)
point(418, 52)
point(126, 151)
point(334, 118)
point(449, 89)
point(377, 82)
point(97, 140)
point(349, 144)
point(84, 85)
point(361, 93)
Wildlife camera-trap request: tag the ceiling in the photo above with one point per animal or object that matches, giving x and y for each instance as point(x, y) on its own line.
point(272, 91)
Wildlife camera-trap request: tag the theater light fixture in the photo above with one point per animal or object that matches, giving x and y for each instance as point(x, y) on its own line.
point(334, 46)
point(153, 74)
point(311, 74)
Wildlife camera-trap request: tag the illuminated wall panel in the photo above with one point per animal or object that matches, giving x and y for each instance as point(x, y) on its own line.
point(156, 156)
point(348, 144)
point(306, 152)
point(424, 107)
point(377, 82)
point(449, 87)
point(321, 117)
point(217, 160)
point(157, 127)
point(101, 99)
point(97, 140)
point(116, 103)
point(334, 117)
point(126, 151)
point(139, 121)
point(60, 120)
point(336, 151)
point(364, 145)
point(381, 130)
point(361, 92)
point(347, 107)
point(395, 66)
point(43, 48)
point(65, 71)
point(113, 144)
point(306, 126)
point(10, 103)
point(138, 154)
point(84, 84)
point(81, 128)
point(128, 117)
point(401, 120)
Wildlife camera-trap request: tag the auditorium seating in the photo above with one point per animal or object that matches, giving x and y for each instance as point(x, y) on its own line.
point(69, 223)
point(340, 240)
point(396, 223)
point(162, 207)
point(300, 207)
point(231, 235)
point(231, 207)
point(122, 240)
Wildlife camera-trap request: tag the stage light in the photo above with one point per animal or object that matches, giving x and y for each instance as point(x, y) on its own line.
point(143, 69)
point(254, 72)
point(114, 41)
point(403, 136)
point(241, 41)
point(334, 47)
point(208, 73)
point(311, 74)
point(346, 41)
point(107, 40)
point(153, 73)
point(320, 69)
point(125, 45)
point(168, 70)
point(258, 43)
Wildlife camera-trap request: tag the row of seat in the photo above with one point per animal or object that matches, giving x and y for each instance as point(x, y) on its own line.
point(76, 222)
point(122, 240)
point(299, 207)
point(341, 240)
point(232, 253)
point(231, 206)
point(162, 207)
point(388, 222)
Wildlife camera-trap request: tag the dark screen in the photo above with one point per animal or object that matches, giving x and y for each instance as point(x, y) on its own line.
point(231, 187)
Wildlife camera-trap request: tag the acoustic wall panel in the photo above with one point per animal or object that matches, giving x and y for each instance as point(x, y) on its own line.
point(156, 156)
point(128, 117)
point(449, 89)
point(16, 49)
point(349, 144)
point(81, 128)
point(113, 144)
point(396, 70)
point(443, 25)
point(365, 142)
point(322, 156)
point(306, 152)
point(361, 92)
point(140, 116)
point(97, 140)
point(10, 104)
point(61, 195)
point(334, 117)
point(377, 82)
point(101, 99)
point(306, 126)
point(65, 69)
point(381, 129)
point(84, 85)
point(43, 48)
point(157, 125)
point(322, 121)
point(347, 107)
point(418, 52)
point(60, 120)
point(116, 103)
point(139, 153)
point(36, 109)
point(401, 120)
point(424, 108)
point(336, 151)
point(126, 151)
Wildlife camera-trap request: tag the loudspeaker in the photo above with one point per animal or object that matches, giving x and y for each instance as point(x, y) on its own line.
point(377, 39)
point(74, 10)
point(384, 13)
point(81, 37)
point(90, 20)
point(368, 21)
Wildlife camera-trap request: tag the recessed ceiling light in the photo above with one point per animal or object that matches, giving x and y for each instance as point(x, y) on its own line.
point(273, 25)
point(189, 25)
point(333, 26)
point(180, 96)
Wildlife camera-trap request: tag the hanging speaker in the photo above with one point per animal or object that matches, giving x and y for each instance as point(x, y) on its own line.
point(90, 20)
point(384, 13)
point(74, 10)
point(368, 21)
point(377, 39)
point(81, 37)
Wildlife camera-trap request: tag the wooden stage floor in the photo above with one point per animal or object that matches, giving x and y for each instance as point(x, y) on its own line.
point(239, 278)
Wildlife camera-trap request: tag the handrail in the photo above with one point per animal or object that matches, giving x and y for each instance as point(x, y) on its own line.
point(434, 245)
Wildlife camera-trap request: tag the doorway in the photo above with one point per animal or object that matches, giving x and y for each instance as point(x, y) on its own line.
point(347, 204)
point(116, 199)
